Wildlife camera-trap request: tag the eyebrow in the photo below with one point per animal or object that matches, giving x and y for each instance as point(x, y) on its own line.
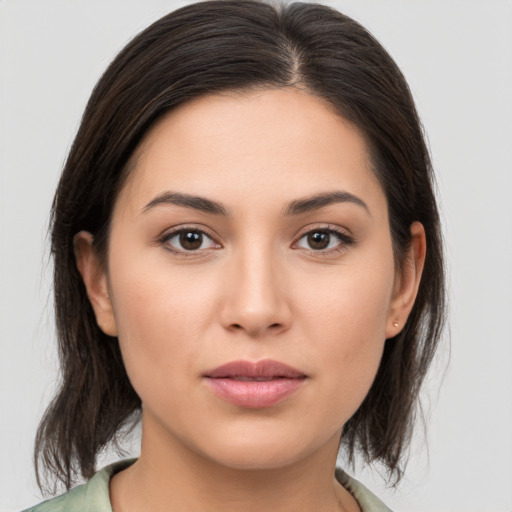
point(296, 207)
point(188, 201)
point(318, 201)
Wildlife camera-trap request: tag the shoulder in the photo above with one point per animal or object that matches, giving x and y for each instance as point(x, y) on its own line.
point(71, 500)
point(92, 496)
point(364, 497)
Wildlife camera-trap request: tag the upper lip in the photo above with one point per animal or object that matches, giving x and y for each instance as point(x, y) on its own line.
point(266, 369)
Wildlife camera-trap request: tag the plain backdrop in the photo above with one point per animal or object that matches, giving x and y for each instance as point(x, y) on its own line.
point(457, 57)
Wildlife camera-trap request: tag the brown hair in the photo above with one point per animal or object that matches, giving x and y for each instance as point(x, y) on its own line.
point(236, 45)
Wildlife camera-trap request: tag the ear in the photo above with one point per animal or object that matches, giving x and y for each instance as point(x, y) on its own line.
point(407, 281)
point(94, 276)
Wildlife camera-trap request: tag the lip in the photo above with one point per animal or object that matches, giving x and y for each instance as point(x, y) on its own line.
point(254, 385)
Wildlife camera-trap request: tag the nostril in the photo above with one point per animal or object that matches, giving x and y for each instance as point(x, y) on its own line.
point(240, 327)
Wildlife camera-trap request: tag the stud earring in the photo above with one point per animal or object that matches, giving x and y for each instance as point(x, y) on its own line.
point(395, 324)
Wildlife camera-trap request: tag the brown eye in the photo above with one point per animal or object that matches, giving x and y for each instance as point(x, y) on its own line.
point(318, 240)
point(191, 240)
point(324, 240)
point(188, 240)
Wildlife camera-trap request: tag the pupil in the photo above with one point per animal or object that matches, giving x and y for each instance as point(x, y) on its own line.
point(191, 240)
point(318, 240)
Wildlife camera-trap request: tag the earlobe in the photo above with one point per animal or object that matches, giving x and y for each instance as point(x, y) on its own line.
point(94, 277)
point(407, 281)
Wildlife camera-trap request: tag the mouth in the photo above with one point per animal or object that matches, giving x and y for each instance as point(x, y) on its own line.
point(254, 385)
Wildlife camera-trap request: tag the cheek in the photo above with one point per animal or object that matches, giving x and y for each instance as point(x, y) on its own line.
point(348, 323)
point(349, 303)
point(161, 315)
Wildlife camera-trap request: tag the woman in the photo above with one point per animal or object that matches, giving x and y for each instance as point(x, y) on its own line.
point(248, 259)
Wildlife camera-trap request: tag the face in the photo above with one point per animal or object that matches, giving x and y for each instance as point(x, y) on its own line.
point(251, 280)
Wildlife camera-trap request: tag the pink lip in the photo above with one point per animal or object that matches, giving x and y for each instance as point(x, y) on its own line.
point(254, 385)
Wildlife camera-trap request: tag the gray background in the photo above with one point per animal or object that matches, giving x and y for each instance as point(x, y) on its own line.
point(457, 56)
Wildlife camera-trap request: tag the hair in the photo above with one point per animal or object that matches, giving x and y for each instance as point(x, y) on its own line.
point(236, 45)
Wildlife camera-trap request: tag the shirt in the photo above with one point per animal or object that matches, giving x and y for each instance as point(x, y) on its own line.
point(93, 496)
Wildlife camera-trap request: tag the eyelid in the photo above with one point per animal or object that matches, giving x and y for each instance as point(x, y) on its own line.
point(344, 237)
point(176, 230)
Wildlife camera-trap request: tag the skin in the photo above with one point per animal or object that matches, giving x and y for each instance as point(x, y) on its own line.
point(254, 290)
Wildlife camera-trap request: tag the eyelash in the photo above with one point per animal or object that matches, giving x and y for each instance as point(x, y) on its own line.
point(343, 238)
point(164, 240)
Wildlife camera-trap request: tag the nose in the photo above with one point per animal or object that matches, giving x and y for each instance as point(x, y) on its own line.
point(256, 301)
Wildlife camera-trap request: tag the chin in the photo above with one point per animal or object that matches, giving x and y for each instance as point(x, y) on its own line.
point(254, 459)
point(263, 451)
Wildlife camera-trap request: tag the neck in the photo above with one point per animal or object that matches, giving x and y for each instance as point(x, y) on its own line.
point(169, 476)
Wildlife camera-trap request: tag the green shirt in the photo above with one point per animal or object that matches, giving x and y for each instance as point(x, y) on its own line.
point(93, 496)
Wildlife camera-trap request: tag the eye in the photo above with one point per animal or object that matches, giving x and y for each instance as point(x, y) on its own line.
point(188, 240)
point(324, 240)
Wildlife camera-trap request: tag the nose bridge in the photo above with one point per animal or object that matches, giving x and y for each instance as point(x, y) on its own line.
point(256, 300)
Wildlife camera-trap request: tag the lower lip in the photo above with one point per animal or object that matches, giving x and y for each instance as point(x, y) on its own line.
point(254, 394)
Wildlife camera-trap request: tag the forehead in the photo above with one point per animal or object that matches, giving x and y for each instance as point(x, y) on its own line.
point(255, 143)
